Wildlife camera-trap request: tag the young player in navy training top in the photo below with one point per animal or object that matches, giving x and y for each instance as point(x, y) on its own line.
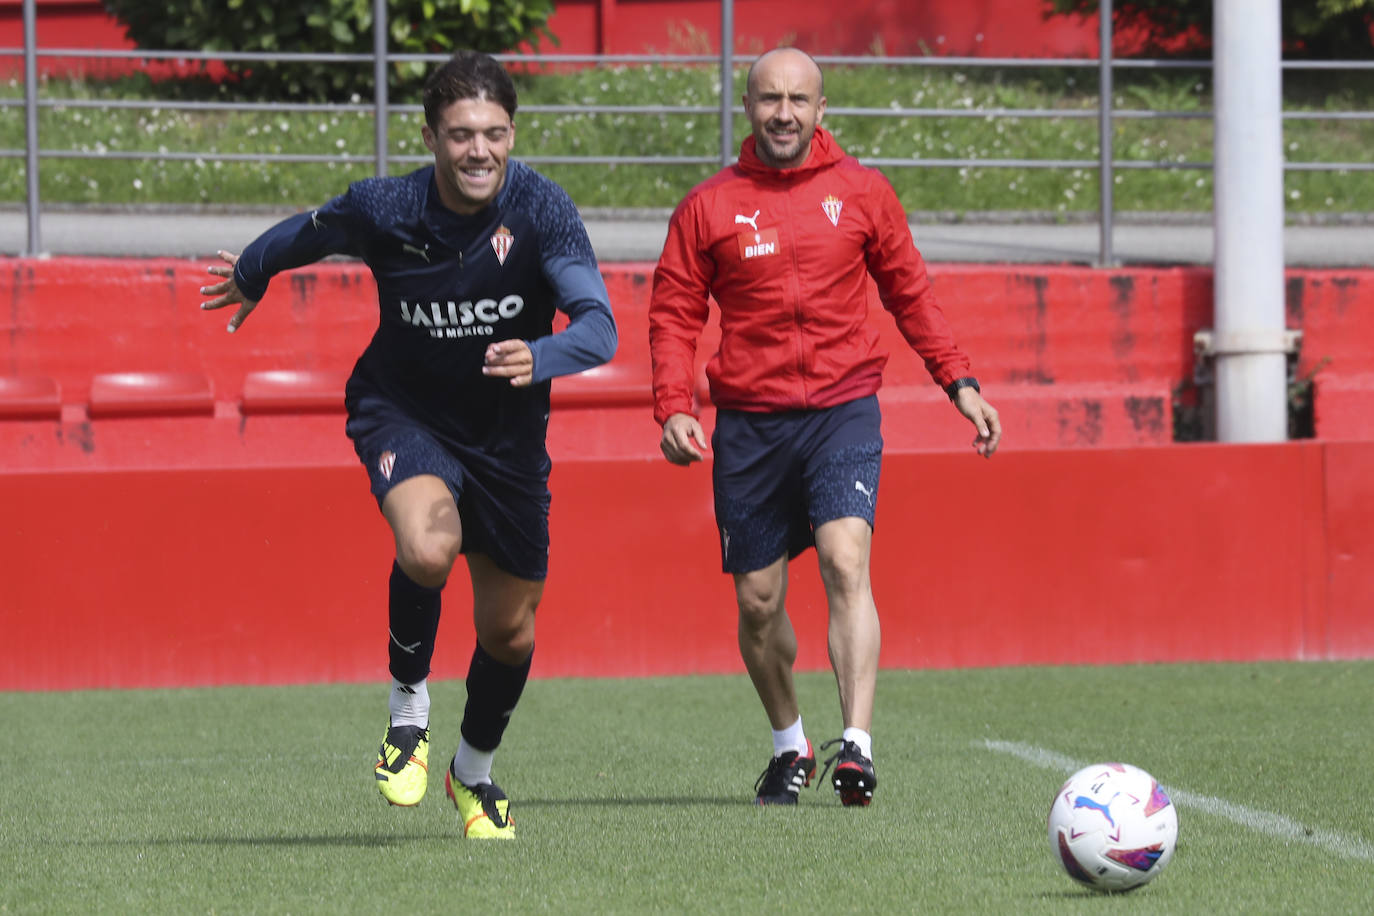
point(448, 406)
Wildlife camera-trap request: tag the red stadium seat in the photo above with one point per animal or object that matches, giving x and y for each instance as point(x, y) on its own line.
point(294, 391)
point(29, 397)
point(141, 394)
point(619, 383)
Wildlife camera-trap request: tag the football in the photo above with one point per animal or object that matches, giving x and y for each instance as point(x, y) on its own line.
point(1112, 827)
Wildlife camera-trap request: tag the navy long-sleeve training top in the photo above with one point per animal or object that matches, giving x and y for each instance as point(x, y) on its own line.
point(448, 285)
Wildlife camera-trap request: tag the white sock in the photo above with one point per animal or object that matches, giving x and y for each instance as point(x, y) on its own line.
point(409, 703)
point(862, 738)
point(791, 738)
point(470, 766)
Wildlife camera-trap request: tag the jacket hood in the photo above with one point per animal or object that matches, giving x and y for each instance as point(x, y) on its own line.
point(825, 151)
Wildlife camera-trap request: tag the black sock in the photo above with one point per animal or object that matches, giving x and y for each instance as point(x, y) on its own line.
point(414, 621)
point(493, 691)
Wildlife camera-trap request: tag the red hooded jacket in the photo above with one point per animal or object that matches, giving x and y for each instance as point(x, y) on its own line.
point(784, 253)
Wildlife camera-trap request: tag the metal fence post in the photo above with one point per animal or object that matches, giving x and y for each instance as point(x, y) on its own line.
point(31, 123)
point(1104, 134)
point(381, 113)
point(727, 82)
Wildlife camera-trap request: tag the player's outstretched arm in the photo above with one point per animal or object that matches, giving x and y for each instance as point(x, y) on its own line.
point(683, 440)
point(984, 418)
point(227, 292)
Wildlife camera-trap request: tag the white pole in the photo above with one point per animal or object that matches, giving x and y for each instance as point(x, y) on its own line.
point(1251, 366)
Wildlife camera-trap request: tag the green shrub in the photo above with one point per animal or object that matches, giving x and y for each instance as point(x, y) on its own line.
point(1313, 29)
point(335, 26)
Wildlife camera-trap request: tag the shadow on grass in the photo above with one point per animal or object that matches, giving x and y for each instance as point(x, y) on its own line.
point(362, 842)
point(665, 801)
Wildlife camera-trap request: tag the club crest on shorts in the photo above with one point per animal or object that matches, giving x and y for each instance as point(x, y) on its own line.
point(832, 206)
point(387, 463)
point(501, 242)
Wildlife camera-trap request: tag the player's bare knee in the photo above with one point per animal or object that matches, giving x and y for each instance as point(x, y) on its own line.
point(759, 605)
point(510, 643)
point(844, 572)
point(427, 561)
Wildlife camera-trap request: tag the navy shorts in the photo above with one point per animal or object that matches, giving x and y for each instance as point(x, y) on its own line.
point(507, 519)
point(779, 476)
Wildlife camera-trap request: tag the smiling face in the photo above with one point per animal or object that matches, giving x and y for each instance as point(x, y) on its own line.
point(471, 141)
point(784, 104)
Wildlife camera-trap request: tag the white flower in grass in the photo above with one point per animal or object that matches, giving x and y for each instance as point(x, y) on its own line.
point(1294, 194)
point(138, 184)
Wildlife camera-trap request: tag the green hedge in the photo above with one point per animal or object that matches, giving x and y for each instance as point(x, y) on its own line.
point(335, 26)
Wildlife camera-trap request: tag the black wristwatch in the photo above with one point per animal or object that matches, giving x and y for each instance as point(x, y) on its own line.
point(953, 387)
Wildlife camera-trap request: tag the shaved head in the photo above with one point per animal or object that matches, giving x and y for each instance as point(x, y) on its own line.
point(795, 56)
point(784, 102)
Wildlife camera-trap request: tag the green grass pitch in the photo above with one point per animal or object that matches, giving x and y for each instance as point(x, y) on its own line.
point(634, 796)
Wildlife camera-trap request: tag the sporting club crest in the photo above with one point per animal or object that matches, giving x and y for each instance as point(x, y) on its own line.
point(501, 242)
point(832, 206)
point(387, 463)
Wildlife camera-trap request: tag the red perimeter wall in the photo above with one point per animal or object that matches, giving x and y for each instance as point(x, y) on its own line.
point(208, 539)
point(278, 575)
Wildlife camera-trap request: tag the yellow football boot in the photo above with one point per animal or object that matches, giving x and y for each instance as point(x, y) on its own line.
point(403, 765)
point(484, 810)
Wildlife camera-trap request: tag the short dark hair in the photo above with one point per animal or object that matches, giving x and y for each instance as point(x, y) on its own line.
point(467, 75)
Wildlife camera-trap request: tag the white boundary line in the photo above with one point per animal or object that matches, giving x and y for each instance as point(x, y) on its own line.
point(1266, 822)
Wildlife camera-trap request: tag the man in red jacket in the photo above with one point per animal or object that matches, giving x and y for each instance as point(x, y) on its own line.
point(783, 241)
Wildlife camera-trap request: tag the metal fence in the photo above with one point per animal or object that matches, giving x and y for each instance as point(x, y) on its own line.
point(382, 109)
